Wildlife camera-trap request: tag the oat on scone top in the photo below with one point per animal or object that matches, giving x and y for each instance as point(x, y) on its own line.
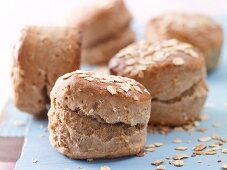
point(113, 84)
point(144, 54)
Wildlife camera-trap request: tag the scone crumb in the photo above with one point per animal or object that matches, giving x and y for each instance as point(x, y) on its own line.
point(161, 167)
point(105, 168)
point(141, 153)
point(178, 61)
point(178, 163)
point(35, 161)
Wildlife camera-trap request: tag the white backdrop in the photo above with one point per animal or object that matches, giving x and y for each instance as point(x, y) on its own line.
point(14, 14)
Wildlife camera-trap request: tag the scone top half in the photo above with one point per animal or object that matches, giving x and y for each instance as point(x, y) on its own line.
point(197, 29)
point(109, 99)
point(166, 68)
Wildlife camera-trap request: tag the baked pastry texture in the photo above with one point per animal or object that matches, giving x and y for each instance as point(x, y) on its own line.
point(41, 55)
point(199, 30)
point(174, 74)
point(105, 28)
point(98, 116)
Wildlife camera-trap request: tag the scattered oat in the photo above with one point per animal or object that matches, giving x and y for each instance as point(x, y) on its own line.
point(161, 167)
point(201, 129)
point(224, 166)
point(177, 140)
point(111, 89)
point(35, 161)
point(19, 123)
point(178, 61)
point(150, 149)
point(207, 152)
point(181, 148)
point(141, 153)
point(180, 156)
point(199, 147)
point(216, 137)
point(204, 139)
point(225, 105)
point(224, 140)
point(204, 117)
point(216, 125)
point(105, 168)
point(224, 151)
point(158, 162)
point(158, 144)
point(178, 163)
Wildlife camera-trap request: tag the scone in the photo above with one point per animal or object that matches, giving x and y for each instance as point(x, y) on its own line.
point(98, 116)
point(41, 55)
point(103, 52)
point(199, 30)
point(105, 28)
point(174, 74)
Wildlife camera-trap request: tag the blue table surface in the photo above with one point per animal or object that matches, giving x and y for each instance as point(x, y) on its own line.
point(37, 146)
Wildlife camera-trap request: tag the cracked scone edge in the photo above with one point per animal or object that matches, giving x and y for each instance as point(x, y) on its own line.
point(111, 119)
point(36, 59)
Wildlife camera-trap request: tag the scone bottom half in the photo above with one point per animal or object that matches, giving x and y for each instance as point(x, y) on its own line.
point(98, 116)
point(172, 71)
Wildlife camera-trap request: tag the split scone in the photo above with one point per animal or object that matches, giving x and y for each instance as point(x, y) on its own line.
point(199, 30)
point(173, 72)
point(105, 28)
point(98, 116)
point(41, 55)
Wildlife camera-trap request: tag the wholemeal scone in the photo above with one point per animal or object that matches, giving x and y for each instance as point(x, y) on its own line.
point(41, 55)
point(105, 29)
point(98, 116)
point(101, 19)
point(171, 71)
point(199, 30)
point(102, 52)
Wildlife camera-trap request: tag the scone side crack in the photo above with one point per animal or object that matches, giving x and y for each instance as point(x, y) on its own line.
point(187, 93)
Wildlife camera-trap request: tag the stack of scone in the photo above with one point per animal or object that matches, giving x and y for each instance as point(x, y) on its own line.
point(199, 30)
point(105, 28)
point(41, 55)
point(173, 72)
point(98, 116)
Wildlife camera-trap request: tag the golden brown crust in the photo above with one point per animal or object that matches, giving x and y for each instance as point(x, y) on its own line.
point(98, 116)
point(199, 30)
point(101, 19)
point(166, 68)
point(37, 56)
point(102, 52)
point(112, 99)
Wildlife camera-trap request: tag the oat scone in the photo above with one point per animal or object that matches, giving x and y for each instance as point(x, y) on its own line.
point(105, 27)
point(102, 52)
point(173, 72)
point(199, 30)
point(41, 55)
point(98, 116)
